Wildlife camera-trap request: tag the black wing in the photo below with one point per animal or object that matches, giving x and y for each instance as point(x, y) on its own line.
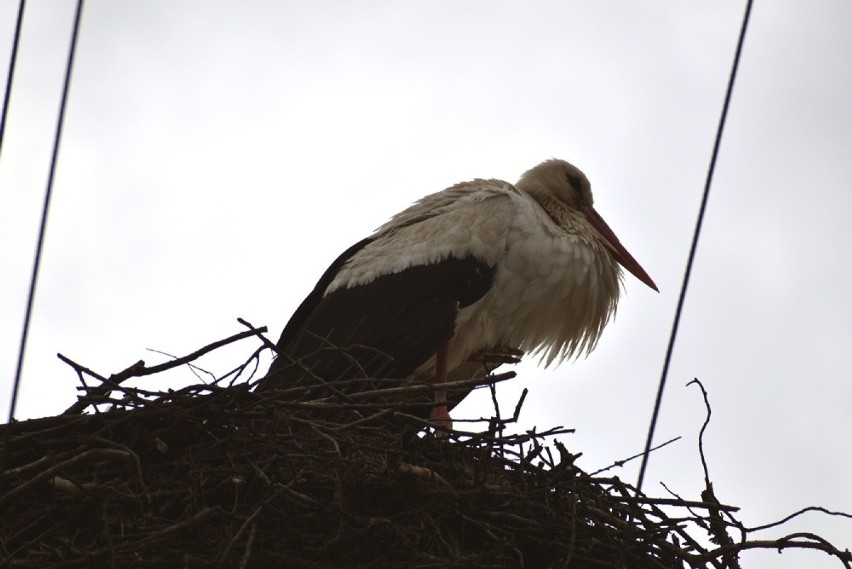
point(382, 329)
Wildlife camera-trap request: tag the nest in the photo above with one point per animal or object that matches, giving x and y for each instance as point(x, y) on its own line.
point(217, 475)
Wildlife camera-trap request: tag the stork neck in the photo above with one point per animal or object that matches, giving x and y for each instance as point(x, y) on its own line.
point(560, 213)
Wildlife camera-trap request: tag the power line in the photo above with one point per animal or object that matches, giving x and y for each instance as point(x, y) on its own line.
point(11, 74)
point(691, 258)
point(40, 245)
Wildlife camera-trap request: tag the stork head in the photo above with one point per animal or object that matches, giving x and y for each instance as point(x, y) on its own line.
point(563, 183)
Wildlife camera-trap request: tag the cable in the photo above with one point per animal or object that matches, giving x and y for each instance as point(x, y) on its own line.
point(691, 258)
point(12, 60)
point(43, 226)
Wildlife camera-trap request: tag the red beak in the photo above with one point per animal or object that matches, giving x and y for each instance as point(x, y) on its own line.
point(618, 251)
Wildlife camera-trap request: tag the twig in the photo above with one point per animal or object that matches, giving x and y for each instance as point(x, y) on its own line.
point(796, 540)
point(429, 387)
point(703, 428)
point(795, 514)
point(249, 543)
point(679, 503)
point(245, 524)
point(622, 462)
point(260, 334)
point(56, 468)
point(718, 527)
point(197, 353)
point(139, 370)
point(519, 404)
point(159, 534)
point(423, 472)
point(192, 367)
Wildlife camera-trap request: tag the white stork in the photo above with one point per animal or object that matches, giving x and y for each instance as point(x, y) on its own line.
point(482, 266)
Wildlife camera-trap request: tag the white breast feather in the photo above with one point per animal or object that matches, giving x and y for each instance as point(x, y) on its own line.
point(552, 296)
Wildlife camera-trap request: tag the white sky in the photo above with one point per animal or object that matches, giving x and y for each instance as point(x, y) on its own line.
point(218, 155)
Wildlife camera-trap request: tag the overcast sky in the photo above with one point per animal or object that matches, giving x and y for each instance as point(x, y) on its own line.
point(218, 155)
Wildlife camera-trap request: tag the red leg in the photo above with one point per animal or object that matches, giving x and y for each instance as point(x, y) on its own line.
point(440, 415)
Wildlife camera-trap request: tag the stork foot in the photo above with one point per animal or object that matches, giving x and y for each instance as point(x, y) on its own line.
point(440, 417)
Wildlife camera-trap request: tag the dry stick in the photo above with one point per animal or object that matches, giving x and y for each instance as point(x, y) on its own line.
point(193, 368)
point(264, 339)
point(483, 437)
point(698, 520)
point(790, 541)
point(362, 420)
point(627, 491)
point(572, 541)
point(196, 354)
point(646, 530)
point(99, 394)
point(520, 404)
point(425, 473)
point(329, 438)
point(249, 543)
point(154, 536)
point(277, 395)
point(137, 462)
point(799, 513)
point(25, 531)
point(325, 405)
point(718, 526)
point(703, 428)
point(238, 371)
point(428, 387)
point(82, 369)
point(139, 370)
point(496, 404)
point(622, 462)
point(23, 468)
point(679, 503)
point(56, 468)
point(249, 520)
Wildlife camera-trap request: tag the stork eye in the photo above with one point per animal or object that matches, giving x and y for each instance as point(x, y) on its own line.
point(575, 182)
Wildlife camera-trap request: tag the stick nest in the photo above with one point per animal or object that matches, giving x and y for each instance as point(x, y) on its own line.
point(221, 476)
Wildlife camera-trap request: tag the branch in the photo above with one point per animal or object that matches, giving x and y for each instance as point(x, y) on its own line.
point(56, 468)
point(718, 528)
point(622, 462)
point(795, 540)
point(139, 370)
point(799, 513)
